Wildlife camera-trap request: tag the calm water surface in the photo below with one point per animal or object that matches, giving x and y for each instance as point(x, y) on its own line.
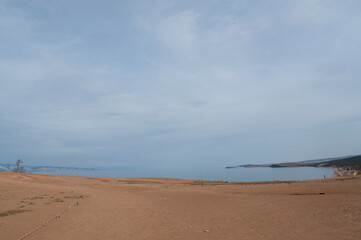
point(211, 174)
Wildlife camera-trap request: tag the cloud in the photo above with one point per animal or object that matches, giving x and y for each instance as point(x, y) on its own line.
point(170, 83)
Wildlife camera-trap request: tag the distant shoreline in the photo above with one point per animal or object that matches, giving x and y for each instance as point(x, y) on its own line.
point(351, 161)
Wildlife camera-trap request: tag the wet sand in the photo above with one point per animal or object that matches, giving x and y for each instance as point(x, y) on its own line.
point(177, 209)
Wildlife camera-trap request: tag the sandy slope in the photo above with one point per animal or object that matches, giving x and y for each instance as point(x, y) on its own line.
point(177, 209)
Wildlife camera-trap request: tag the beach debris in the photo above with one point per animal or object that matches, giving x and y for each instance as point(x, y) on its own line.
point(77, 202)
point(205, 230)
point(190, 226)
point(58, 216)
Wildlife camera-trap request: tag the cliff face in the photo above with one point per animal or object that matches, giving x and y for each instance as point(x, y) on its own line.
point(346, 170)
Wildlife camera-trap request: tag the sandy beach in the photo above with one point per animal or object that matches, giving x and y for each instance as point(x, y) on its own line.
point(100, 208)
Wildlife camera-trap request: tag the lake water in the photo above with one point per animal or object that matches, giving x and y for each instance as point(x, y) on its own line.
point(211, 174)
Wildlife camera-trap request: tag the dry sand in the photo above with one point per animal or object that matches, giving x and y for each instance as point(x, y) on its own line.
point(177, 209)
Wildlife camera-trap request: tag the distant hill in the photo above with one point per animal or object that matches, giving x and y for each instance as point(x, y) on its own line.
point(325, 162)
point(327, 159)
point(350, 161)
point(354, 160)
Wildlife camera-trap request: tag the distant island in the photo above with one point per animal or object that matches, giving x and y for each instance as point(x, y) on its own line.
point(341, 165)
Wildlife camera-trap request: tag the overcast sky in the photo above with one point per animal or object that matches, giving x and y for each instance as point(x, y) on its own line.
point(178, 83)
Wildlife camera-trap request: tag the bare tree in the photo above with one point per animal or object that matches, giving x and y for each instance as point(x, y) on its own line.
point(18, 168)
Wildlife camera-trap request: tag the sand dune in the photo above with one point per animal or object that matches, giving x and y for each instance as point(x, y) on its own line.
point(177, 209)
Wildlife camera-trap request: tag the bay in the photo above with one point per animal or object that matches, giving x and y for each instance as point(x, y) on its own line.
point(209, 174)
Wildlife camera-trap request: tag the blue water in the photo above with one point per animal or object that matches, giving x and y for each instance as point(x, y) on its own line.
point(211, 174)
